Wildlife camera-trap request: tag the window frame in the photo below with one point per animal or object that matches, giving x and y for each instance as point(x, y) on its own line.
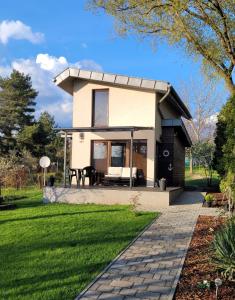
point(93, 107)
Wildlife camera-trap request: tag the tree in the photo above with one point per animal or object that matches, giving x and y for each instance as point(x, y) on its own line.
point(203, 105)
point(17, 102)
point(40, 138)
point(203, 28)
point(203, 155)
point(224, 158)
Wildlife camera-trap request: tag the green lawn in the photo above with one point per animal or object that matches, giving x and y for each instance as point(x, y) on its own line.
point(198, 178)
point(53, 251)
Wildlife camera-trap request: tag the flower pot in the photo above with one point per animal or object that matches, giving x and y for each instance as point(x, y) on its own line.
point(162, 184)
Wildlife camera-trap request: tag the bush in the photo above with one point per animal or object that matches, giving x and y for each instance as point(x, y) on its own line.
point(13, 173)
point(227, 187)
point(209, 198)
point(224, 250)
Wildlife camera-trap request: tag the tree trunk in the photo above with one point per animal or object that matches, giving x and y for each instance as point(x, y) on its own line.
point(230, 85)
point(191, 162)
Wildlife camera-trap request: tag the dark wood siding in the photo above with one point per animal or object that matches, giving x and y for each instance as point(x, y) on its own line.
point(171, 158)
point(179, 162)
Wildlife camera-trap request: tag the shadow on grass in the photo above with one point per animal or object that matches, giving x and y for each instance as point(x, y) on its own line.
point(60, 215)
point(14, 198)
point(53, 280)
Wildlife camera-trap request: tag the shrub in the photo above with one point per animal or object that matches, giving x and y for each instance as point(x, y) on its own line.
point(209, 198)
point(12, 172)
point(224, 250)
point(227, 187)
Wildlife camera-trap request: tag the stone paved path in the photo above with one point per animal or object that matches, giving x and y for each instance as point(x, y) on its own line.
point(151, 266)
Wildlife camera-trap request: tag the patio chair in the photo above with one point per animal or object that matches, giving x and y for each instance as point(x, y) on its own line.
point(89, 172)
point(74, 173)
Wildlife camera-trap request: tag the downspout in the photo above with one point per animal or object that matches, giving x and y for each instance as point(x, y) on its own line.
point(162, 99)
point(155, 130)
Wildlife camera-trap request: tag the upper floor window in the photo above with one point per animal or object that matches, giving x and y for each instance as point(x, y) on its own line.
point(100, 108)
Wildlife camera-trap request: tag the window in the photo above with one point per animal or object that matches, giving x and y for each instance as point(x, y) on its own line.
point(100, 108)
point(118, 154)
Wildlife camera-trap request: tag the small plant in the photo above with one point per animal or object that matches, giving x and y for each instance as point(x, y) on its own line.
point(209, 198)
point(135, 204)
point(205, 284)
point(224, 250)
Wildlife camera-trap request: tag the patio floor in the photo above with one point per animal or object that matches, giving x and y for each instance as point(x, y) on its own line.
point(150, 267)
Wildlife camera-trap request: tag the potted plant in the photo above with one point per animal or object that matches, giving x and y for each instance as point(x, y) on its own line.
point(209, 198)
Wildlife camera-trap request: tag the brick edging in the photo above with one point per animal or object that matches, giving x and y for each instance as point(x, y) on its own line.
point(115, 259)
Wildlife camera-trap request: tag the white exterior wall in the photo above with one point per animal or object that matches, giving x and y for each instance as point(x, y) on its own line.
point(127, 107)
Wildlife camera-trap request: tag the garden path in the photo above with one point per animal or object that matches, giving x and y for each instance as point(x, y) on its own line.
point(150, 267)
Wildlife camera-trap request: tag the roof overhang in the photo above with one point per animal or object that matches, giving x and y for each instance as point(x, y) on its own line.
point(65, 80)
point(103, 129)
point(178, 124)
point(176, 101)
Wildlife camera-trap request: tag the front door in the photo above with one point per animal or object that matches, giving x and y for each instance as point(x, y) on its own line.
point(140, 159)
point(165, 162)
point(100, 156)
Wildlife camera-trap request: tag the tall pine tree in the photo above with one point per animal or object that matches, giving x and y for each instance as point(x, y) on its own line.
point(17, 107)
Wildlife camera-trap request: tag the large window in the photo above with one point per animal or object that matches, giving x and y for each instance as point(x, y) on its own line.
point(100, 108)
point(118, 154)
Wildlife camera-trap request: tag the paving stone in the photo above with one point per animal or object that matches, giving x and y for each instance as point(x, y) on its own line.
point(121, 283)
point(105, 288)
point(148, 295)
point(128, 292)
point(111, 296)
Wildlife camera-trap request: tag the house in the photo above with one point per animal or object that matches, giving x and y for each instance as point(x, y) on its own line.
point(126, 122)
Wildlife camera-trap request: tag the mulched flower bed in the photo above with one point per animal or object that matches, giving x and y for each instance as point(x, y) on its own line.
point(197, 266)
point(220, 200)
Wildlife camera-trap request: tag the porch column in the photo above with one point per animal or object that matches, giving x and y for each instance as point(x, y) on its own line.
point(65, 156)
point(131, 158)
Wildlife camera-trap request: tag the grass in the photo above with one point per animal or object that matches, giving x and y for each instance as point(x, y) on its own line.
point(53, 251)
point(198, 178)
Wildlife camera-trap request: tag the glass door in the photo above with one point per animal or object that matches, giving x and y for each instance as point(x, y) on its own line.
point(118, 154)
point(100, 156)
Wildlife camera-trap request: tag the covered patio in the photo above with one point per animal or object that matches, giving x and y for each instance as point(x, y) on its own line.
point(68, 133)
point(144, 197)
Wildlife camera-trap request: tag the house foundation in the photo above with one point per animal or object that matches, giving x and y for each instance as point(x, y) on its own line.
point(144, 199)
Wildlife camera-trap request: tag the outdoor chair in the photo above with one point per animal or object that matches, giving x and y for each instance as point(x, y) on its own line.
point(89, 172)
point(74, 173)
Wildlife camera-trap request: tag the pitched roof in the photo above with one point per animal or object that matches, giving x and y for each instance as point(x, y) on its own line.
point(66, 78)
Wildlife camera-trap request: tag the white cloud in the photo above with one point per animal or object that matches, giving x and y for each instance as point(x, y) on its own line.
point(42, 69)
point(18, 31)
point(51, 63)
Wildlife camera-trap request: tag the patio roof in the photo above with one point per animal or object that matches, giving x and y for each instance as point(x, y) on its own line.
point(104, 129)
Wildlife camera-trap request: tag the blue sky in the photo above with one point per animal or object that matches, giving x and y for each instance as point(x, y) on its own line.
point(53, 34)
